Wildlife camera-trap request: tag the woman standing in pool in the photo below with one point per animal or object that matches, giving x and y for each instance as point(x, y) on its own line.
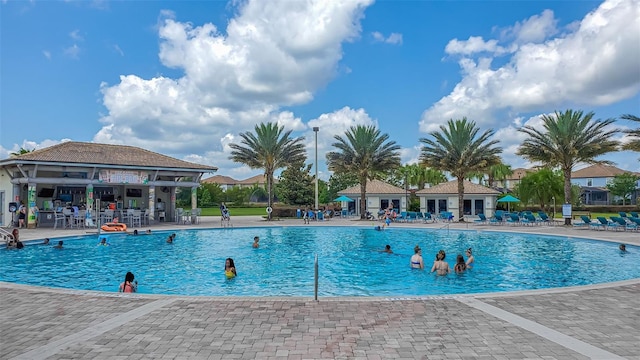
point(128, 285)
point(440, 266)
point(416, 259)
point(230, 268)
point(460, 264)
point(470, 259)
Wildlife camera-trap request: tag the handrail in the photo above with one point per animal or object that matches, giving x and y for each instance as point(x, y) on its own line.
point(5, 235)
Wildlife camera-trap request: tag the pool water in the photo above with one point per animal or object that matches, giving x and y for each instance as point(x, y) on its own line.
point(350, 262)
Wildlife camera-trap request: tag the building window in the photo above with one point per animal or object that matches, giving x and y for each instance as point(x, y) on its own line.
point(589, 182)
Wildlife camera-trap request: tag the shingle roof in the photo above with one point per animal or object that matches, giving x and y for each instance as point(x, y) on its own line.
point(220, 179)
point(258, 179)
point(106, 154)
point(519, 173)
point(451, 187)
point(373, 187)
point(597, 171)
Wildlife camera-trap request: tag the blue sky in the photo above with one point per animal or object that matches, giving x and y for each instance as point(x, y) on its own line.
point(184, 78)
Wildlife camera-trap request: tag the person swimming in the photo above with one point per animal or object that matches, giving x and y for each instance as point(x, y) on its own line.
point(470, 259)
point(622, 247)
point(103, 242)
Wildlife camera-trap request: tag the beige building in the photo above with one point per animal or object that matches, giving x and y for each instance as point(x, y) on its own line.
point(379, 196)
point(444, 197)
point(85, 174)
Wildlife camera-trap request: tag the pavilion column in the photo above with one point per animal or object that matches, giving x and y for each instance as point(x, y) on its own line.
point(31, 206)
point(194, 197)
point(152, 203)
point(172, 201)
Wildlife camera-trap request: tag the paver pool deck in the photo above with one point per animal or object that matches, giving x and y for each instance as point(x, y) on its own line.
point(597, 322)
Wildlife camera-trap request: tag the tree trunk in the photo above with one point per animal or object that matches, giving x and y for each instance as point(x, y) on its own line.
point(461, 199)
point(269, 202)
point(567, 191)
point(363, 201)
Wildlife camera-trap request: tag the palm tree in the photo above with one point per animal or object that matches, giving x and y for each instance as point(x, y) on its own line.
point(364, 152)
point(498, 172)
point(270, 148)
point(420, 175)
point(634, 144)
point(22, 151)
point(458, 149)
point(567, 139)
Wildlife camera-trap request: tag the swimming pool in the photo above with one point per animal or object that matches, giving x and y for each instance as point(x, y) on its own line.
point(350, 262)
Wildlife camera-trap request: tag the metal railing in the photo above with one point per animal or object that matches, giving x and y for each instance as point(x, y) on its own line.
point(5, 236)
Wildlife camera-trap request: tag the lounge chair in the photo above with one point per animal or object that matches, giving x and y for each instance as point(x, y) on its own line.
point(428, 217)
point(496, 219)
point(608, 224)
point(634, 214)
point(514, 219)
point(585, 222)
point(482, 219)
point(545, 218)
point(624, 223)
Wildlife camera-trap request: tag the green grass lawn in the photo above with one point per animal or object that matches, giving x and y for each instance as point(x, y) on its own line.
point(235, 211)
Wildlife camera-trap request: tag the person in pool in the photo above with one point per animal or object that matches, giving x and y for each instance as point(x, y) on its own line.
point(416, 259)
point(470, 258)
point(128, 285)
point(230, 268)
point(440, 266)
point(103, 242)
point(387, 249)
point(623, 247)
point(256, 239)
point(59, 246)
point(460, 266)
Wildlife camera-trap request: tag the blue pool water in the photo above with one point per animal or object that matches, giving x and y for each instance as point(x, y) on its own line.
point(350, 263)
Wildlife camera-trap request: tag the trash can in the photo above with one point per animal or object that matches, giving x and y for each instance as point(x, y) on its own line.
point(298, 213)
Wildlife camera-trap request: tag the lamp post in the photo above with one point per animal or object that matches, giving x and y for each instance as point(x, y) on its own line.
point(554, 206)
point(315, 130)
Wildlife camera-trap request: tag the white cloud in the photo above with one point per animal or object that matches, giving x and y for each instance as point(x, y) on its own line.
point(72, 51)
point(233, 79)
point(75, 35)
point(474, 44)
point(535, 29)
point(118, 50)
point(594, 65)
point(47, 54)
point(28, 145)
point(393, 38)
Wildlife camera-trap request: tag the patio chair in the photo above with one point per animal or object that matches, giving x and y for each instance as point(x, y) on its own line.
point(585, 222)
point(402, 217)
point(608, 224)
point(428, 217)
point(634, 214)
point(481, 219)
point(544, 217)
point(530, 219)
point(622, 214)
point(514, 219)
point(497, 219)
point(627, 225)
point(58, 216)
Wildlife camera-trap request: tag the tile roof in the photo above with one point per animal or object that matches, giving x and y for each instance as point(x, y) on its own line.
point(451, 187)
point(373, 187)
point(220, 179)
point(598, 171)
point(106, 154)
point(519, 173)
point(258, 179)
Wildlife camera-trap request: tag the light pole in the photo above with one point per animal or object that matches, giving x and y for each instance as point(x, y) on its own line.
point(315, 130)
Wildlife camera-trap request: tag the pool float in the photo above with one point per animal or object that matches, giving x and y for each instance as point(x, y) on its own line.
point(114, 227)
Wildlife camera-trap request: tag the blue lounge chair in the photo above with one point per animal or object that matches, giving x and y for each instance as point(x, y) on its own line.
point(428, 217)
point(482, 219)
point(544, 217)
point(608, 224)
point(586, 222)
point(626, 225)
point(513, 219)
point(497, 219)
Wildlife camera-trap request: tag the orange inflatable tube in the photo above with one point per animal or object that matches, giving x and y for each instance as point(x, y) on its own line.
point(114, 227)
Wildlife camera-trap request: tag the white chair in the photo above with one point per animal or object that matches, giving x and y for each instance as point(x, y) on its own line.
point(69, 216)
point(58, 216)
point(179, 212)
point(136, 218)
point(145, 217)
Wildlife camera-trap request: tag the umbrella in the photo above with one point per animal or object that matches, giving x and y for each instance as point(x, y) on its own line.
point(509, 199)
point(343, 198)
